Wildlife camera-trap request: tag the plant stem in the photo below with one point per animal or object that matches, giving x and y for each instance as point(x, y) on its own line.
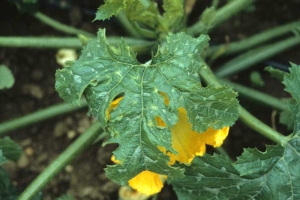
point(138, 45)
point(245, 116)
point(255, 56)
point(262, 128)
point(256, 95)
point(61, 161)
point(59, 26)
point(127, 25)
point(228, 49)
point(222, 14)
point(39, 116)
point(40, 42)
point(222, 151)
point(144, 32)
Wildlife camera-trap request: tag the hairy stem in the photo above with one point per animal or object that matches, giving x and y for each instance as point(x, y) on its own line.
point(39, 116)
point(234, 47)
point(62, 160)
point(138, 45)
point(256, 95)
point(222, 14)
point(245, 116)
point(59, 26)
point(255, 56)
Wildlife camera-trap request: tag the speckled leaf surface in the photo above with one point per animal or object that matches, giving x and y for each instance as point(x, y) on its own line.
point(273, 174)
point(103, 73)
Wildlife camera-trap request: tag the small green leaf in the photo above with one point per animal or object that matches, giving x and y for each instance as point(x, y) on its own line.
point(109, 9)
point(7, 79)
point(276, 73)
point(256, 79)
point(10, 149)
point(145, 15)
point(103, 74)
point(292, 83)
point(174, 12)
point(286, 118)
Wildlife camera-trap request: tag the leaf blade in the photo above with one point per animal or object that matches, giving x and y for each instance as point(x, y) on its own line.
point(108, 73)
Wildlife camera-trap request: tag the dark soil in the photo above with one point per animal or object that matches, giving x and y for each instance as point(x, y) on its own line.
point(34, 71)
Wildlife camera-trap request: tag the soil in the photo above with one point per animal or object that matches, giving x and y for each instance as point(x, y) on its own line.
point(34, 70)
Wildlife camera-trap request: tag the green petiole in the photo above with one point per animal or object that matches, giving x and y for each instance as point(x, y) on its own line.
point(138, 45)
point(256, 95)
point(38, 116)
point(245, 116)
point(59, 26)
point(235, 47)
point(222, 14)
point(255, 56)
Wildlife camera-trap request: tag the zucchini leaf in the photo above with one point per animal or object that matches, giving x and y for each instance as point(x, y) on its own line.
point(156, 89)
point(273, 174)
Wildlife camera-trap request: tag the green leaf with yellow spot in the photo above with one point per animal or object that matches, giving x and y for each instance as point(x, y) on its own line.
point(151, 95)
point(273, 174)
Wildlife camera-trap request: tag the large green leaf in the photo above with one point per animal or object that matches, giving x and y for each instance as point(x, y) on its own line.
point(277, 168)
point(214, 177)
point(103, 75)
point(273, 174)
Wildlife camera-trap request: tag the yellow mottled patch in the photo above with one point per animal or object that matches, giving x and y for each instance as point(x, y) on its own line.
point(147, 182)
point(185, 141)
point(189, 143)
point(112, 106)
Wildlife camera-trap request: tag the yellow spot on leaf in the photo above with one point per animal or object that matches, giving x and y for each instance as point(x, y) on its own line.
point(147, 182)
point(113, 158)
point(185, 141)
point(112, 106)
point(166, 98)
point(160, 122)
point(189, 143)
